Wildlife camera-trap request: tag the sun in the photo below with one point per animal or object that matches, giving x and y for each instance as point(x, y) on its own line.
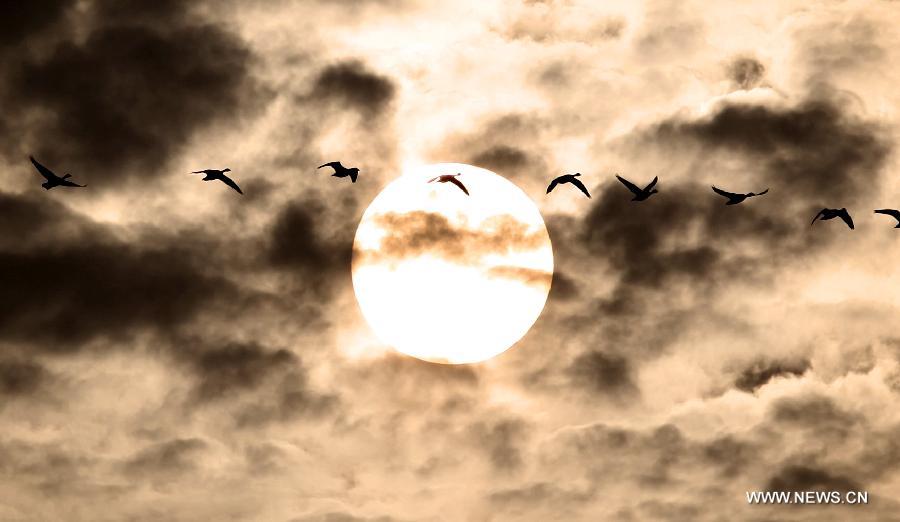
point(448, 277)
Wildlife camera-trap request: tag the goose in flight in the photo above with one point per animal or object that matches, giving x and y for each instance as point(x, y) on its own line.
point(52, 179)
point(451, 178)
point(890, 212)
point(640, 194)
point(569, 178)
point(213, 174)
point(341, 171)
point(733, 198)
point(831, 213)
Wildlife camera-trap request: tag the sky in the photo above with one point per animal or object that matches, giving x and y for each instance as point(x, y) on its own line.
point(171, 350)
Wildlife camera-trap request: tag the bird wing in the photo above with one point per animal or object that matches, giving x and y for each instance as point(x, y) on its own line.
point(336, 165)
point(432, 180)
point(68, 183)
point(763, 192)
point(552, 185)
point(846, 217)
point(200, 171)
point(817, 217)
point(889, 212)
point(725, 193)
point(631, 186)
point(44, 171)
point(652, 183)
point(580, 185)
point(230, 182)
point(459, 184)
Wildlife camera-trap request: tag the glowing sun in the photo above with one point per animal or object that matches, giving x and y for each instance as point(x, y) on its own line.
point(449, 277)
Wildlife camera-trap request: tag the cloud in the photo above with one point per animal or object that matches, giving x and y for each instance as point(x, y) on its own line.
point(816, 151)
point(529, 276)
point(805, 478)
point(603, 373)
point(746, 72)
point(120, 101)
point(416, 233)
point(166, 459)
point(760, 372)
point(352, 84)
point(63, 294)
point(21, 377)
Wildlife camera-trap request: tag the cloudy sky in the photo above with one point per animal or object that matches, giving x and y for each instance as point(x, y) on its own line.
point(170, 350)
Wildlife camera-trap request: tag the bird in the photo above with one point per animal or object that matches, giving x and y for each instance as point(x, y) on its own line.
point(213, 174)
point(890, 212)
point(52, 179)
point(341, 171)
point(569, 178)
point(734, 199)
point(451, 178)
point(640, 194)
point(831, 213)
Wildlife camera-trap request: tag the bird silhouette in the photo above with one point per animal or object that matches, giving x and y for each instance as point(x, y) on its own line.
point(640, 194)
point(569, 178)
point(831, 213)
point(890, 212)
point(450, 178)
point(52, 179)
point(733, 198)
point(213, 174)
point(341, 171)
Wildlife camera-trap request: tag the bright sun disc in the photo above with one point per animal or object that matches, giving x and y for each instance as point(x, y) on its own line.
point(447, 277)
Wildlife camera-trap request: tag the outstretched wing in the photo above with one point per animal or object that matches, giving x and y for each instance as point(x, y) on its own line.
point(230, 182)
point(552, 185)
point(432, 180)
point(580, 185)
point(889, 212)
point(68, 183)
point(631, 186)
point(205, 171)
point(846, 217)
point(652, 183)
point(725, 193)
point(336, 165)
point(459, 184)
point(817, 217)
point(44, 171)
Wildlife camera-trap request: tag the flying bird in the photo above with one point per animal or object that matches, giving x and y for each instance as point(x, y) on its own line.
point(733, 198)
point(640, 194)
point(890, 212)
point(341, 171)
point(213, 174)
point(569, 178)
point(52, 179)
point(831, 213)
point(451, 178)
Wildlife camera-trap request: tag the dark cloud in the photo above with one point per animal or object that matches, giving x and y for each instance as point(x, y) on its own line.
point(353, 85)
point(415, 233)
point(760, 372)
point(806, 478)
point(170, 458)
point(121, 101)
point(602, 373)
point(19, 377)
point(236, 367)
point(816, 151)
point(746, 72)
point(68, 280)
point(299, 242)
point(293, 398)
point(502, 440)
point(22, 19)
point(529, 276)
